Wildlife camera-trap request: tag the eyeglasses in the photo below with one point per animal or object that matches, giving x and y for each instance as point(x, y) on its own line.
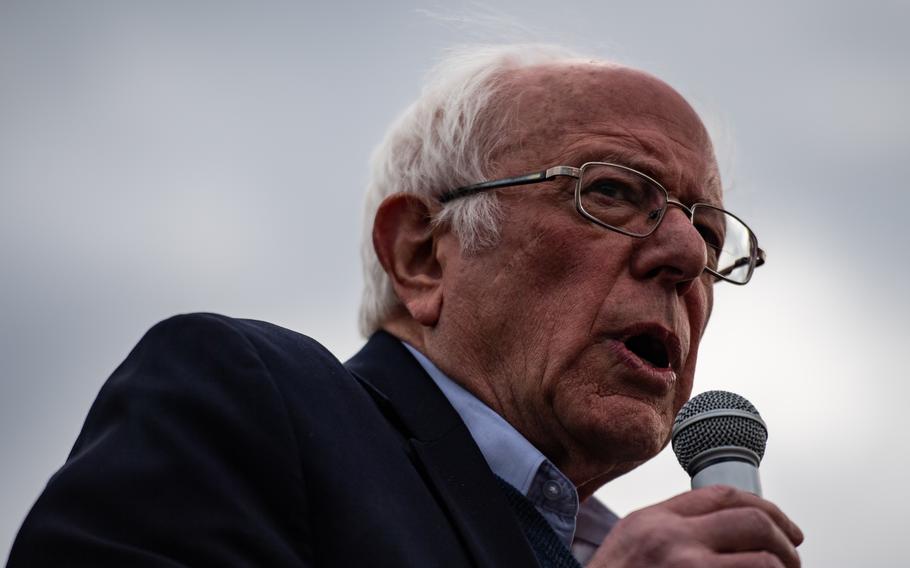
point(627, 201)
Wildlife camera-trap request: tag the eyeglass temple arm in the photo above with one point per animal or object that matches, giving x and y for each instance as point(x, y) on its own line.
point(526, 179)
point(759, 260)
point(495, 184)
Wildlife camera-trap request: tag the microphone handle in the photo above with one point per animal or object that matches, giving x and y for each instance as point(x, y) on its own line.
point(735, 473)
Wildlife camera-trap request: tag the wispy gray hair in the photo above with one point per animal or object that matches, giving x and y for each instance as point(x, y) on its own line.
point(442, 141)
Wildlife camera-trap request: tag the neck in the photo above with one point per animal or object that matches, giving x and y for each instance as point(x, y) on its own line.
point(586, 476)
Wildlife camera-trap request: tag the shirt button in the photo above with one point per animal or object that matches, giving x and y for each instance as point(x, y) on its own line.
point(551, 490)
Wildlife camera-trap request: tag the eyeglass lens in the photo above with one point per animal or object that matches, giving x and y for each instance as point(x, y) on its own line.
point(630, 202)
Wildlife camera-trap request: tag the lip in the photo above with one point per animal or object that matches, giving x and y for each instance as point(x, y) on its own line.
point(670, 341)
point(659, 381)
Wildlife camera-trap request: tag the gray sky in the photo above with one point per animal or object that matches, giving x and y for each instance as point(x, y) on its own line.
point(166, 157)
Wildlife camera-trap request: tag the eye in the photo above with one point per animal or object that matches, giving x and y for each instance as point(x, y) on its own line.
point(604, 187)
point(613, 192)
point(621, 199)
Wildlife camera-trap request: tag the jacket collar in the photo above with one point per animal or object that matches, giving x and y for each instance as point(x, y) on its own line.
point(444, 449)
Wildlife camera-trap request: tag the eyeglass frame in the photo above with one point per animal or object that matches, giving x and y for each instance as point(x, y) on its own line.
point(570, 171)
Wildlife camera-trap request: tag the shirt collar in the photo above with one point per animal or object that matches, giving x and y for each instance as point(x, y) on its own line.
point(510, 455)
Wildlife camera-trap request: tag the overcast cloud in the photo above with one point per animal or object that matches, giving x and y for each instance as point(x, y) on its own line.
point(166, 157)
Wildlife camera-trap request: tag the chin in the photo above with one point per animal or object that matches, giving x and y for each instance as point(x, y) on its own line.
point(610, 454)
point(626, 431)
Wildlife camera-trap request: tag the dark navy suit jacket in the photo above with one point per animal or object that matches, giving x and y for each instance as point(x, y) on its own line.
point(223, 442)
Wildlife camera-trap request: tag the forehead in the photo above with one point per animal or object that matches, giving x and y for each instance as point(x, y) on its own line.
point(570, 114)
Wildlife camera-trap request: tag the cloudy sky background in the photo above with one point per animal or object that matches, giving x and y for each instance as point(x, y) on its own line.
point(167, 157)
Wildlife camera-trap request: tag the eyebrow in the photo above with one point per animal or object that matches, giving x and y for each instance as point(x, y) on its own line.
point(637, 162)
point(626, 157)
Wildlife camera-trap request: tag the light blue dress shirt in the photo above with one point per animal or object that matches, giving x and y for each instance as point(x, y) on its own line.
point(511, 456)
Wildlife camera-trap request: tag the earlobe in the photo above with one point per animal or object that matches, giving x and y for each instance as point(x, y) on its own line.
point(404, 240)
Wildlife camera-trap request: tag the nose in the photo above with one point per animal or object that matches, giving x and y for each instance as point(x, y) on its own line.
point(674, 254)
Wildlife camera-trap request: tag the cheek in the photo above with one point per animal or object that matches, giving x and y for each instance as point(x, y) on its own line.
point(698, 306)
point(546, 295)
point(565, 265)
point(708, 303)
point(565, 280)
point(560, 274)
point(613, 424)
point(534, 292)
point(699, 303)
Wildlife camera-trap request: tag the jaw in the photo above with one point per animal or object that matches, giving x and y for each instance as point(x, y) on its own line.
point(602, 429)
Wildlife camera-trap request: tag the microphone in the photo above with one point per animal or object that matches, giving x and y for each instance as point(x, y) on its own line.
point(719, 439)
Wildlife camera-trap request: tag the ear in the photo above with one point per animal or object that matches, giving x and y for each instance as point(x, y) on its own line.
point(406, 245)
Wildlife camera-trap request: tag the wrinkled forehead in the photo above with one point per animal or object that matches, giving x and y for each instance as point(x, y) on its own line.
point(591, 112)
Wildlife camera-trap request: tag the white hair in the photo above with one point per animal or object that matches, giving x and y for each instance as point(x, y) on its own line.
point(442, 141)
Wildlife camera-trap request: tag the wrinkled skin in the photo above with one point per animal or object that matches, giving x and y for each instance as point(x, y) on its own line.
point(533, 326)
point(526, 325)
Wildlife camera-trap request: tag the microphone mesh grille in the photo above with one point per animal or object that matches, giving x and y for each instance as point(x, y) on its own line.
point(717, 431)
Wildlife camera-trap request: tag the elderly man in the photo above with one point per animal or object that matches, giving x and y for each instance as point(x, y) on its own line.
point(543, 238)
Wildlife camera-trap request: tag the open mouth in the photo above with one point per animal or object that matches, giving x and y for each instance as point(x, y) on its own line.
point(649, 349)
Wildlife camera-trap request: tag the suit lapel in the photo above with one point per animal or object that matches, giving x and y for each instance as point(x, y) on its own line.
point(442, 446)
